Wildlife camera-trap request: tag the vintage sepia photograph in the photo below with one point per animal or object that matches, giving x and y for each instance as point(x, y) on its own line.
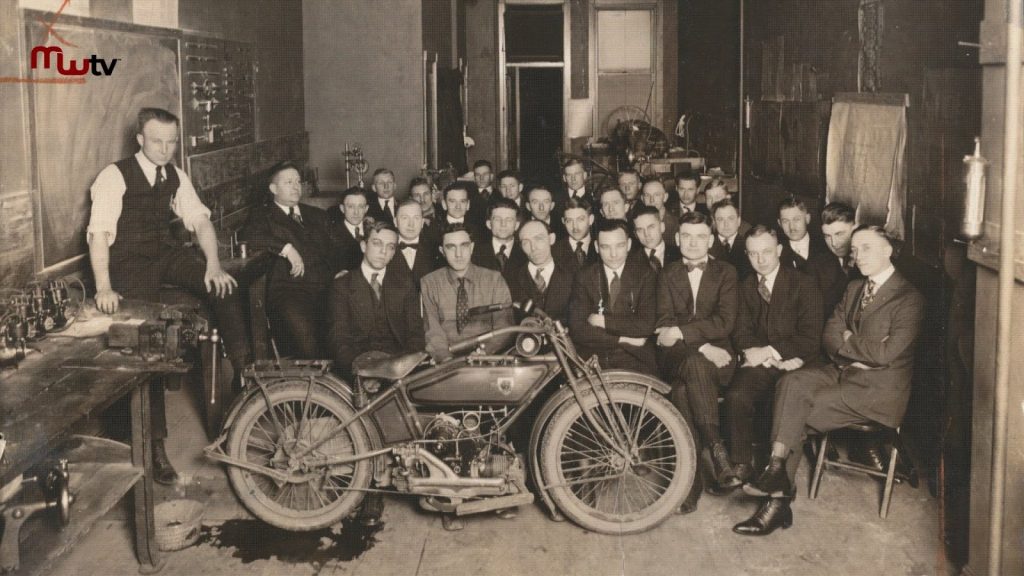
point(511, 287)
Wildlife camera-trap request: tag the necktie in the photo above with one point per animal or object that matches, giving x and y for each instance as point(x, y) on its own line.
point(404, 245)
point(295, 215)
point(691, 266)
point(762, 289)
point(359, 233)
point(613, 291)
point(159, 176)
point(387, 207)
point(727, 244)
point(539, 280)
point(580, 254)
point(869, 293)
point(655, 263)
point(375, 284)
point(502, 257)
point(461, 306)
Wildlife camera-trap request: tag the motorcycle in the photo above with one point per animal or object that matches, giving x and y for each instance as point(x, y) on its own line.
point(605, 448)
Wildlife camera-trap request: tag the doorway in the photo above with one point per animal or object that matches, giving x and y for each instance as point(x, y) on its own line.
point(534, 93)
point(535, 122)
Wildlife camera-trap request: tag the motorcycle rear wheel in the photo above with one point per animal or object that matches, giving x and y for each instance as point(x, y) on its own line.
point(255, 437)
point(591, 483)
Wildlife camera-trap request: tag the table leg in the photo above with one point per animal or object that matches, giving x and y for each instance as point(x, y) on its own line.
point(142, 455)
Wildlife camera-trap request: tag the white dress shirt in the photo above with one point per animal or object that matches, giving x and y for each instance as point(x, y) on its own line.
point(882, 277)
point(355, 231)
point(409, 254)
point(391, 205)
point(659, 252)
point(802, 246)
point(108, 190)
point(547, 271)
point(497, 244)
point(368, 272)
point(695, 276)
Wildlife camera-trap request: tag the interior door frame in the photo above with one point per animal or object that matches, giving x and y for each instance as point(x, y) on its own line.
point(565, 64)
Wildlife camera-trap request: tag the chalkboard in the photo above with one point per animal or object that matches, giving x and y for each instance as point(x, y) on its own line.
point(80, 128)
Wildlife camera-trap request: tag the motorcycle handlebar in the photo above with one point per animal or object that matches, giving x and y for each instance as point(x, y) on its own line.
point(470, 343)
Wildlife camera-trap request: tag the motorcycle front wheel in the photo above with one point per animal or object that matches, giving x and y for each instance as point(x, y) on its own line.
point(598, 487)
point(272, 434)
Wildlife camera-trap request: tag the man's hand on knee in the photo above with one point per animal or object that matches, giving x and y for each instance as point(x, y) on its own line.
point(718, 356)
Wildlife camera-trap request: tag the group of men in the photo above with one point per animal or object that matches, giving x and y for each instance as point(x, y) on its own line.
point(644, 278)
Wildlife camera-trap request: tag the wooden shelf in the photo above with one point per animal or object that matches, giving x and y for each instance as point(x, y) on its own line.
point(101, 473)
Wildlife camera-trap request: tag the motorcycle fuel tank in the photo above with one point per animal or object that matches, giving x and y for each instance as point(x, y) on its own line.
point(481, 384)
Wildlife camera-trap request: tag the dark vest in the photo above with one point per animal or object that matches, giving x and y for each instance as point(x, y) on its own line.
point(380, 338)
point(145, 232)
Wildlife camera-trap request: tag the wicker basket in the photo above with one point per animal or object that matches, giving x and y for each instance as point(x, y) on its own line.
point(177, 524)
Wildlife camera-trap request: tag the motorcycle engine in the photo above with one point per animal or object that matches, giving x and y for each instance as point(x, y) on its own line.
point(460, 441)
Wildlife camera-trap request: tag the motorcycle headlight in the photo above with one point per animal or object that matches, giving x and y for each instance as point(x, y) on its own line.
point(528, 344)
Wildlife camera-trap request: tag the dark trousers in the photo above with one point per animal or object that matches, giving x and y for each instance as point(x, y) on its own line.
point(751, 384)
point(296, 322)
point(184, 269)
point(809, 399)
point(695, 384)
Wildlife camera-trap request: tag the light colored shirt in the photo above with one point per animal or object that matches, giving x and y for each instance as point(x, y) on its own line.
point(455, 220)
point(108, 190)
point(391, 205)
point(546, 272)
point(581, 244)
point(882, 277)
point(659, 252)
point(369, 271)
point(769, 279)
point(688, 207)
point(409, 254)
point(497, 244)
point(730, 240)
point(610, 273)
point(802, 246)
point(695, 276)
point(355, 231)
point(439, 297)
point(288, 209)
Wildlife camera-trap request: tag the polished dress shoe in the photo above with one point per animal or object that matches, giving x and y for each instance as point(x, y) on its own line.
point(163, 470)
point(370, 513)
point(771, 514)
point(869, 455)
point(722, 467)
point(773, 481)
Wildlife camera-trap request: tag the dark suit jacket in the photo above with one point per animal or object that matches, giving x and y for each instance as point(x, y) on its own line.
point(642, 255)
point(484, 256)
point(634, 312)
point(794, 320)
point(565, 257)
point(737, 255)
point(555, 299)
point(351, 306)
point(428, 259)
point(823, 266)
point(373, 209)
point(712, 318)
point(350, 254)
point(270, 229)
point(883, 340)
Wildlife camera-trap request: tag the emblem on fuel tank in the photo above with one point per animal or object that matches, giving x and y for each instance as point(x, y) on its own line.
point(505, 385)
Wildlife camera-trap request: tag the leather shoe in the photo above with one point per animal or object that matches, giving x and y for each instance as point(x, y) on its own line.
point(771, 514)
point(722, 467)
point(163, 470)
point(370, 513)
point(773, 481)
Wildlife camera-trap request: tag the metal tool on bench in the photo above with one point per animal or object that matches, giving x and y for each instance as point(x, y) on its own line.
point(54, 483)
point(165, 334)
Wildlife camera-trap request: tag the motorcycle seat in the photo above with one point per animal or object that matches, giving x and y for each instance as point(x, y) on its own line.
point(390, 367)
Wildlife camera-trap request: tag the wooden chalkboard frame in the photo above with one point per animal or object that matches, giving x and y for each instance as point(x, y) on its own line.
point(45, 264)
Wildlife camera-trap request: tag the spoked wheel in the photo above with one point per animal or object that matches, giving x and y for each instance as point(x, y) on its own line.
point(606, 489)
point(275, 439)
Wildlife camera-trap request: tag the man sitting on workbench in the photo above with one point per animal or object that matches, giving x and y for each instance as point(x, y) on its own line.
point(136, 202)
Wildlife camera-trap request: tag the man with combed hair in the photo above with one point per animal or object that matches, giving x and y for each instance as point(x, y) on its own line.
point(729, 233)
point(137, 205)
point(349, 218)
point(541, 280)
point(655, 196)
point(574, 176)
point(697, 307)
point(870, 341)
point(649, 231)
point(449, 293)
point(382, 207)
point(687, 186)
point(510, 184)
point(541, 205)
point(838, 221)
point(778, 330)
point(575, 250)
point(306, 259)
point(612, 312)
point(808, 253)
point(417, 253)
point(629, 182)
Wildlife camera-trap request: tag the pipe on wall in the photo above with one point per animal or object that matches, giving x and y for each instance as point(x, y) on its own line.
point(1011, 160)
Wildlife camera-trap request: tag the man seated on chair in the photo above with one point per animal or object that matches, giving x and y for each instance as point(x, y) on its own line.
point(649, 231)
point(300, 238)
point(501, 251)
point(541, 280)
point(612, 311)
point(575, 250)
point(416, 254)
point(808, 253)
point(729, 233)
point(348, 217)
point(777, 331)
point(450, 292)
point(374, 308)
point(697, 307)
point(870, 341)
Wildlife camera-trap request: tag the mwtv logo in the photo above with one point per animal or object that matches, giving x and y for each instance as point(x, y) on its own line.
point(94, 63)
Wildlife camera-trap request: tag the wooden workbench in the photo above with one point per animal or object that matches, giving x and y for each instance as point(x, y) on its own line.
point(40, 404)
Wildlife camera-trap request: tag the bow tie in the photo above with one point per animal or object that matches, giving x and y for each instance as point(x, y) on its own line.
point(404, 245)
point(691, 266)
